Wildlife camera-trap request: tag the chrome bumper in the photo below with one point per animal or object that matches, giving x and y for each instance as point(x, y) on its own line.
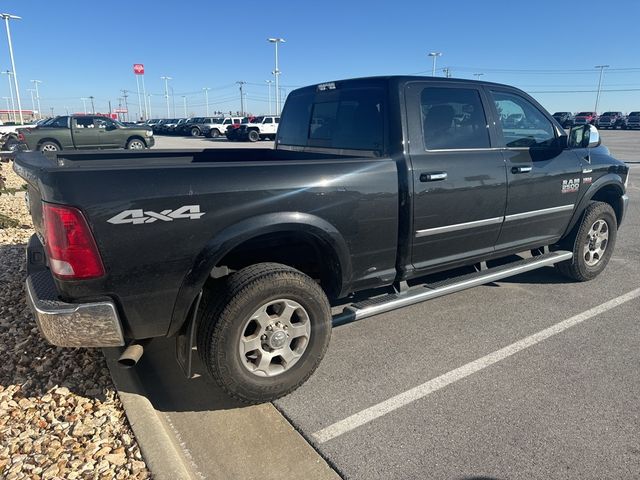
point(94, 324)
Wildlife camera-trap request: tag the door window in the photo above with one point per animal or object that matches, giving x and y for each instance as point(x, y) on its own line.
point(83, 122)
point(453, 119)
point(268, 120)
point(104, 123)
point(522, 124)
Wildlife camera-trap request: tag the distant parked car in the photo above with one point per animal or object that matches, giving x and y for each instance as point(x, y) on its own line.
point(220, 126)
point(172, 128)
point(233, 127)
point(584, 118)
point(610, 120)
point(151, 122)
point(199, 126)
point(259, 128)
point(633, 120)
point(566, 119)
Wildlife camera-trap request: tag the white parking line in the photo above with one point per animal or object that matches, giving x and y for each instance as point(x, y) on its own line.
point(421, 391)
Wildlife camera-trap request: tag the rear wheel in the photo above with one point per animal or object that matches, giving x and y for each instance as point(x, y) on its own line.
point(253, 135)
point(195, 132)
point(49, 146)
point(592, 242)
point(264, 332)
point(214, 133)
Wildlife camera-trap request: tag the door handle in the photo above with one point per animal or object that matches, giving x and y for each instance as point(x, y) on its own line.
point(521, 169)
point(433, 176)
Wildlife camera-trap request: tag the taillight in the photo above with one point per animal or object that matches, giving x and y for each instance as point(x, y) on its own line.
point(71, 249)
point(21, 136)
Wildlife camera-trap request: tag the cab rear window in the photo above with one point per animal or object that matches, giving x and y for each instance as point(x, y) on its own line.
point(349, 118)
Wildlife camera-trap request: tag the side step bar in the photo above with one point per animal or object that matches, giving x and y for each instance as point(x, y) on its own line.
point(421, 293)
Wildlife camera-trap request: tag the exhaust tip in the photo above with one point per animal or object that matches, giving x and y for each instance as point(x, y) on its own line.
point(131, 355)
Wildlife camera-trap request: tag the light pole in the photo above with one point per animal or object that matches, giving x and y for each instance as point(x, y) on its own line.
point(36, 83)
point(149, 101)
point(166, 93)
point(8, 110)
point(84, 104)
point(478, 75)
point(269, 82)
point(33, 104)
point(93, 107)
point(8, 73)
point(601, 67)
point(8, 17)
point(276, 72)
point(434, 55)
point(206, 98)
point(184, 103)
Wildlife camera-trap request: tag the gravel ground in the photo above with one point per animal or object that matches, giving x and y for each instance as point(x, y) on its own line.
point(60, 416)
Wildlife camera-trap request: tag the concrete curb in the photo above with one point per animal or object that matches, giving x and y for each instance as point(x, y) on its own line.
point(159, 452)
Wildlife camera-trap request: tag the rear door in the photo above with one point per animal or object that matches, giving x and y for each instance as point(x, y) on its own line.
point(543, 177)
point(85, 134)
point(459, 179)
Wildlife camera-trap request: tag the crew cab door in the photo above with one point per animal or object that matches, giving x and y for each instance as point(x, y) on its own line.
point(543, 175)
point(110, 135)
point(459, 178)
point(84, 133)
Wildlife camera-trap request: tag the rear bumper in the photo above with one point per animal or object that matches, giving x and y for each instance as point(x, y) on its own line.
point(92, 324)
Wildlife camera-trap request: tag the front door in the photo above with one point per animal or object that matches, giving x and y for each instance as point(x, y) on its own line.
point(459, 179)
point(543, 175)
point(85, 134)
point(110, 135)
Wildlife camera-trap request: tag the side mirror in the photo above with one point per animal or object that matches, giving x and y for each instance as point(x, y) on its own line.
point(583, 136)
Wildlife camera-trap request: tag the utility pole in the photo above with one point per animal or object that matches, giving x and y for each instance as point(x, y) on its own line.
point(166, 93)
point(8, 17)
point(149, 101)
point(184, 103)
point(478, 75)
point(8, 110)
point(434, 55)
point(126, 105)
point(601, 67)
point(447, 72)
point(206, 98)
point(241, 83)
point(277, 72)
point(93, 107)
point(36, 83)
point(84, 104)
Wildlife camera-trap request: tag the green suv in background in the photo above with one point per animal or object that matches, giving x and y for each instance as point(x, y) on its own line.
point(85, 132)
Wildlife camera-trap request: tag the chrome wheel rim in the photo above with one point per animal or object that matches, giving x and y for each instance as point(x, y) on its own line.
point(49, 148)
point(596, 243)
point(136, 145)
point(274, 338)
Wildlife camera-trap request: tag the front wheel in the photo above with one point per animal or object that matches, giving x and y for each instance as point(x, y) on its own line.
point(592, 242)
point(264, 332)
point(195, 132)
point(49, 147)
point(253, 136)
point(136, 144)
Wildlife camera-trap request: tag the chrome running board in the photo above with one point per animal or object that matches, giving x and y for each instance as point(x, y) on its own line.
point(421, 293)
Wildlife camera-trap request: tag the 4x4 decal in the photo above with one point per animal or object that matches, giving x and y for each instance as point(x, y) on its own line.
point(137, 216)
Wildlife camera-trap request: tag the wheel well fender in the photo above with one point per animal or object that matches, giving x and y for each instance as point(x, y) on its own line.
point(47, 139)
point(609, 189)
point(329, 240)
point(135, 137)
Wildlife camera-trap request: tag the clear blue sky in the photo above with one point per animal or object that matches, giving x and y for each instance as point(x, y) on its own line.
point(87, 48)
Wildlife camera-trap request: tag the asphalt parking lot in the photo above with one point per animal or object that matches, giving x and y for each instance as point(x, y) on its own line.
point(530, 377)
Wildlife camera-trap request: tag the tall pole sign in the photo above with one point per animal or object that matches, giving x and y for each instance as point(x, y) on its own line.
point(138, 71)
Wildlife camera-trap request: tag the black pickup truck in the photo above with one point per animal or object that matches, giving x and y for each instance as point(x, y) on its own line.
point(380, 193)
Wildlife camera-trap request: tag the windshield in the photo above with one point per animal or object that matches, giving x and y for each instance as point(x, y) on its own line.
point(257, 120)
point(609, 114)
point(585, 114)
point(634, 114)
point(560, 114)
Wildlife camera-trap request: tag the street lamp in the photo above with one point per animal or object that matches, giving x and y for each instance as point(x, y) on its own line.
point(601, 67)
point(276, 72)
point(9, 73)
point(33, 103)
point(269, 82)
point(434, 55)
point(8, 17)
point(166, 93)
point(478, 75)
point(206, 98)
point(36, 83)
point(241, 83)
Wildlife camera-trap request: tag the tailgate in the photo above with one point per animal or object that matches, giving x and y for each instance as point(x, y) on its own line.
point(31, 166)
